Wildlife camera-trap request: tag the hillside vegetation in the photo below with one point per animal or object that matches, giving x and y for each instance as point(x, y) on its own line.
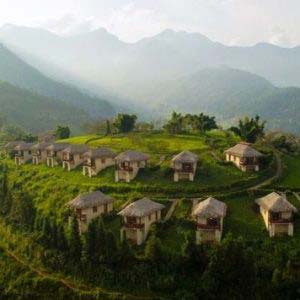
point(229, 94)
point(15, 71)
point(36, 113)
point(151, 271)
point(156, 181)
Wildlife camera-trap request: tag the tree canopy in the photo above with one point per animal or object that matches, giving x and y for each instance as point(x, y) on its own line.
point(250, 129)
point(62, 132)
point(125, 123)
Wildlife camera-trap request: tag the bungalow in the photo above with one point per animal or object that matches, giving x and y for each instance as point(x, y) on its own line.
point(209, 215)
point(9, 148)
point(54, 154)
point(184, 165)
point(90, 206)
point(277, 213)
point(138, 218)
point(73, 156)
point(39, 152)
point(96, 160)
point(128, 164)
point(244, 157)
point(23, 153)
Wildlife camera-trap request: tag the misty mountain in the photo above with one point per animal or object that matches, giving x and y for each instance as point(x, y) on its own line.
point(229, 94)
point(100, 58)
point(36, 113)
point(15, 71)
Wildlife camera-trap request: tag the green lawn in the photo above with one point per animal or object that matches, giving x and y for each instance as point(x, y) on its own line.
point(291, 172)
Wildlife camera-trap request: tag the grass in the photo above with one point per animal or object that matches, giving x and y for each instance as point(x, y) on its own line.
point(291, 172)
point(51, 189)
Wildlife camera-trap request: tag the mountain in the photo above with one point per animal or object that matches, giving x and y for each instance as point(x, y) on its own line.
point(229, 94)
point(102, 59)
point(172, 71)
point(36, 113)
point(17, 72)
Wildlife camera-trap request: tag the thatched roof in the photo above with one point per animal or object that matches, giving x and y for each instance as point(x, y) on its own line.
point(12, 145)
point(96, 198)
point(40, 146)
point(185, 157)
point(100, 153)
point(141, 208)
point(243, 149)
point(276, 203)
point(57, 146)
point(76, 149)
point(24, 146)
point(210, 208)
point(131, 155)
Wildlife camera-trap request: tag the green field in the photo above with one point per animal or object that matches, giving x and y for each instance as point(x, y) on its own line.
point(291, 172)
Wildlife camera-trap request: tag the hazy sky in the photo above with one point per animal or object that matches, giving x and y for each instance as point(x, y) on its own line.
point(235, 22)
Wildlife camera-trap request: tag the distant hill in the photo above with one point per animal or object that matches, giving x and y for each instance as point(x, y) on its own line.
point(36, 113)
point(229, 94)
point(17, 72)
point(101, 58)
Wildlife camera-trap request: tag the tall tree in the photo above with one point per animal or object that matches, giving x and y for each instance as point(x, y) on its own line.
point(200, 123)
point(231, 272)
point(75, 245)
point(175, 124)
point(62, 132)
point(125, 123)
point(250, 129)
point(22, 212)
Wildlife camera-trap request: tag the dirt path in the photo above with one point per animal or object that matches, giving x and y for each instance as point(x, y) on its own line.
point(171, 210)
point(277, 174)
point(297, 196)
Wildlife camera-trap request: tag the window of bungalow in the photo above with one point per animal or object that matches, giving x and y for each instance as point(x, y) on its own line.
point(150, 217)
point(131, 220)
point(212, 221)
point(95, 209)
point(103, 160)
point(275, 216)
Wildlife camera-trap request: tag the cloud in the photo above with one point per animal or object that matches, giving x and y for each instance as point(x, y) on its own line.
point(68, 24)
point(280, 37)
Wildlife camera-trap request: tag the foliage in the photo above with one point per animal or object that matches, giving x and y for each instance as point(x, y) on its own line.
point(124, 122)
point(250, 129)
point(175, 124)
point(200, 123)
point(62, 132)
point(22, 212)
point(179, 123)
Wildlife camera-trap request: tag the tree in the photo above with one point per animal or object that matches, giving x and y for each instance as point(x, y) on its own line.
point(62, 132)
point(90, 247)
point(5, 199)
point(175, 124)
point(231, 272)
point(250, 129)
point(125, 123)
point(153, 249)
point(75, 245)
point(200, 122)
point(22, 212)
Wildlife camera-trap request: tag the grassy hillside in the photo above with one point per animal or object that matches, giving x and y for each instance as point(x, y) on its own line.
point(156, 181)
point(37, 113)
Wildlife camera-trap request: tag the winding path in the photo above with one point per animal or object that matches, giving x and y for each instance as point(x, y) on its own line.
point(276, 176)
